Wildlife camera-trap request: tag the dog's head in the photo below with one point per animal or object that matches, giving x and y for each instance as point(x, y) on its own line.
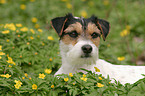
point(80, 37)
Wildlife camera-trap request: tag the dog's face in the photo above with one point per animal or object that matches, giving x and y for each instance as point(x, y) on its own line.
point(80, 37)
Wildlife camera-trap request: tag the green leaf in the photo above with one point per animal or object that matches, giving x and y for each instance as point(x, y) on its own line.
point(86, 70)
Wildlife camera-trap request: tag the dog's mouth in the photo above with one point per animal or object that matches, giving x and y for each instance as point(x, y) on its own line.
point(86, 55)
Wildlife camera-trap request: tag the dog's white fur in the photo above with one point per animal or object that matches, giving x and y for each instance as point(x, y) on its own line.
point(72, 62)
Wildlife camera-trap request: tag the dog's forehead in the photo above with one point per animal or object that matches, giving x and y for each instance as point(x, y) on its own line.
point(83, 21)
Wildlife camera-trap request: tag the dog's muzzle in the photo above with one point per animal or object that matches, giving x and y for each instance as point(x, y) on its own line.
point(87, 49)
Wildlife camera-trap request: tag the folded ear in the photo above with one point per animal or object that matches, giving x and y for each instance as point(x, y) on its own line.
point(104, 27)
point(58, 24)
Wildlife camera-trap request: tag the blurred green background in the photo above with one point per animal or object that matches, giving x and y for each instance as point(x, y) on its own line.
point(124, 45)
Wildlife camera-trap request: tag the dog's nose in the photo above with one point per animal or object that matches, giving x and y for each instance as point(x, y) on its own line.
point(87, 48)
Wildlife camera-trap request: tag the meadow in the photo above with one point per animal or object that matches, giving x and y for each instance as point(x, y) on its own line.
point(29, 47)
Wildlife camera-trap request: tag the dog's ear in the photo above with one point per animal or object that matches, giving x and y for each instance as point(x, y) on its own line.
point(104, 27)
point(59, 22)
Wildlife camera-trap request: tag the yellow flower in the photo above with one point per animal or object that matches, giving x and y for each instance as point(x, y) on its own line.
point(19, 36)
point(42, 76)
point(0, 57)
point(50, 38)
point(36, 53)
point(83, 78)
point(30, 78)
point(19, 25)
point(18, 82)
point(23, 6)
point(48, 71)
point(1, 53)
point(124, 33)
point(20, 56)
point(70, 74)
point(31, 30)
point(84, 13)
point(96, 69)
point(23, 77)
point(10, 26)
point(84, 75)
point(34, 86)
point(17, 86)
point(6, 25)
point(0, 47)
point(5, 32)
point(34, 19)
point(68, 5)
point(50, 59)
point(99, 85)
point(121, 58)
point(37, 26)
point(24, 29)
point(74, 83)
point(8, 40)
point(31, 38)
point(52, 86)
point(3, 75)
point(106, 2)
point(28, 43)
point(100, 78)
point(2, 1)
point(26, 75)
point(10, 60)
point(66, 79)
point(13, 28)
point(7, 75)
point(10, 66)
point(40, 30)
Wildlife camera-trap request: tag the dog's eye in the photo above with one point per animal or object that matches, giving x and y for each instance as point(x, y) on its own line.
point(95, 35)
point(73, 34)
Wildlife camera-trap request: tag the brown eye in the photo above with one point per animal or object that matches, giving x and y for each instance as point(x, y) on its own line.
point(95, 35)
point(73, 34)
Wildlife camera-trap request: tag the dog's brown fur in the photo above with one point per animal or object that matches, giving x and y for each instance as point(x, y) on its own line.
point(84, 34)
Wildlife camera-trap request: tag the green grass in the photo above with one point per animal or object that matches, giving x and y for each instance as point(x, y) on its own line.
point(33, 53)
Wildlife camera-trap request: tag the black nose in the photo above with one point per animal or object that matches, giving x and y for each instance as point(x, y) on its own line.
point(87, 48)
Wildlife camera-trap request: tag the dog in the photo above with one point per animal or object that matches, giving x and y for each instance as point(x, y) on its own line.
point(79, 48)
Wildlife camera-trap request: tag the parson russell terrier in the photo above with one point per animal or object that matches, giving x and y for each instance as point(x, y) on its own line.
point(79, 45)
